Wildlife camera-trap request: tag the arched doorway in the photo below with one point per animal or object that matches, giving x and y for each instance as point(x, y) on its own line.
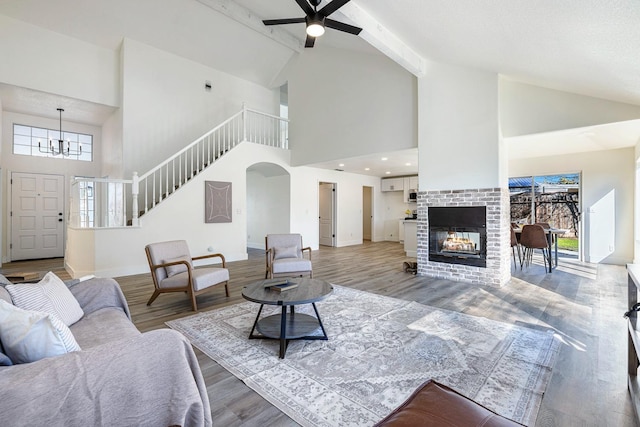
point(268, 202)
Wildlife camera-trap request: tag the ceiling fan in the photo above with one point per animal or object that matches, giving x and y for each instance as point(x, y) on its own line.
point(317, 20)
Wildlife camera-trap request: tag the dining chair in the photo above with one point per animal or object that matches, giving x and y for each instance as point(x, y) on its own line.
point(515, 245)
point(533, 237)
point(547, 227)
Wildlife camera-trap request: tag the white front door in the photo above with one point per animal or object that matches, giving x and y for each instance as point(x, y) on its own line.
point(327, 209)
point(37, 216)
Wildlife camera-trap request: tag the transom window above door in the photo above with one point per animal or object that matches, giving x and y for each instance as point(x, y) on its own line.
point(36, 141)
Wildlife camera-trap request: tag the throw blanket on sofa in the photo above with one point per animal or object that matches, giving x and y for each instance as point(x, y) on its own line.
point(120, 378)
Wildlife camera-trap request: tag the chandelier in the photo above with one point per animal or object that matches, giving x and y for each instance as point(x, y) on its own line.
point(60, 149)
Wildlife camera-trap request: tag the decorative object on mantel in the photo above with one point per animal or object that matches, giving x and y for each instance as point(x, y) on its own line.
point(51, 149)
point(381, 349)
point(217, 202)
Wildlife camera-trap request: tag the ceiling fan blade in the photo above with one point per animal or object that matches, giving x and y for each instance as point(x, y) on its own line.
point(306, 7)
point(283, 21)
point(310, 41)
point(332, 7)
point(341, 26)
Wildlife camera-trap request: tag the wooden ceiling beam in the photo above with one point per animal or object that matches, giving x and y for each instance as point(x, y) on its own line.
point(384, 40)
point(245, 16)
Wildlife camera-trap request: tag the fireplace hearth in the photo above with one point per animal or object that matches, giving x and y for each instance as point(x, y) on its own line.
point(458, 235)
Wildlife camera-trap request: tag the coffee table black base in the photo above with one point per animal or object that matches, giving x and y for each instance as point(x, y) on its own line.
point(286, 327)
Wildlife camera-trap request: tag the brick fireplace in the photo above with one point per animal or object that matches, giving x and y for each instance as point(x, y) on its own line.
point(463, 244)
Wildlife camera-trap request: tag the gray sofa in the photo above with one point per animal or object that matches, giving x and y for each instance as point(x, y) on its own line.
point(121, 377)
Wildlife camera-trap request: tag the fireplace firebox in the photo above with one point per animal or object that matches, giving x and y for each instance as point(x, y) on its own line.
point(458, 235)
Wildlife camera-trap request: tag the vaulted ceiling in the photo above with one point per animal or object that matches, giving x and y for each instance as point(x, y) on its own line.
point(588, 47)
point(584, 46)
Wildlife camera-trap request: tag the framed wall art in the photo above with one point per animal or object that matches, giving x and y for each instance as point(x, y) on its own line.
point(217, 202)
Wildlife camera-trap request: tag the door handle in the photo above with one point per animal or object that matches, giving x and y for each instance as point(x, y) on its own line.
point(59, 219)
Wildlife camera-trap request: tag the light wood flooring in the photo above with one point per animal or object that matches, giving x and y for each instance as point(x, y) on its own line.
point(584, 303)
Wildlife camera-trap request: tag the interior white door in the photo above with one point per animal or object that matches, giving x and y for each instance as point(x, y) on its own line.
point(327, 212)
point(367, 213)
point(37, 216)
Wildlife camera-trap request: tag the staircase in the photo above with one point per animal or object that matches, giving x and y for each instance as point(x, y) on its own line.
point(105, 203)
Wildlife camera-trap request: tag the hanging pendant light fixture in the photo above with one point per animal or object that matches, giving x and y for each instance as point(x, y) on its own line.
point(61, 150)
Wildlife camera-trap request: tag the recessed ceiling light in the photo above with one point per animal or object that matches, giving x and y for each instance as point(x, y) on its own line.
point(407, 164)
point(341, 164)
point(367, 169)
point(383, 159)
point(388, 173)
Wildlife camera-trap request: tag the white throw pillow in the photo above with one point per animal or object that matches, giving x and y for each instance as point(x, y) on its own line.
point(286, 252)
point(172, 270)
point(28, 336)
point(50, 295)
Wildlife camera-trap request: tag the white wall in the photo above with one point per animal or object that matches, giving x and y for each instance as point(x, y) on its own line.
point(43, 60)
point(165, 104)
point(268, 206)
point(460, 146)
point(344, 104)
point(527, 109)
point(636, 258)
point(607, 198)
point(116, 252)
point(66, 167)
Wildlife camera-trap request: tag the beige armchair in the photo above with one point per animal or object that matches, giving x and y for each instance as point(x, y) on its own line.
point(285, 256)
point(172, 270)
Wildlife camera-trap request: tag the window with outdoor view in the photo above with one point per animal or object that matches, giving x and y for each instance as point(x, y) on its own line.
point(37, 142)
point(552, 199)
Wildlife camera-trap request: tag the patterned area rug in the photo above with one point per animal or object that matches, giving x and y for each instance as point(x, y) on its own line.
point(379, 350)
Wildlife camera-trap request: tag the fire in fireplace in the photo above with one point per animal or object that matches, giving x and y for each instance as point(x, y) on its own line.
point(458, 235)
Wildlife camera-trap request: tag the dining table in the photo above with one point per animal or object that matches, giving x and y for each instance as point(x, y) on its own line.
point(552, 235)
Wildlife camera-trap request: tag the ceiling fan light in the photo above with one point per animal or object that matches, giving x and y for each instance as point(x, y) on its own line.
point(315, 29)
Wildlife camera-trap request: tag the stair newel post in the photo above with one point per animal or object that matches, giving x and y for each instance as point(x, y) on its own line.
point(135, 189)
point(244, 121)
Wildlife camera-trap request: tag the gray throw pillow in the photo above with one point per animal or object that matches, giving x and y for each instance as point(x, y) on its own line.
point(4, 281)
point(286, 252)
point(4, 360)
point(172, 270)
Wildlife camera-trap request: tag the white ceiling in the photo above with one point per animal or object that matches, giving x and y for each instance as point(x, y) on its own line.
point(392, 163)
point(589, 47)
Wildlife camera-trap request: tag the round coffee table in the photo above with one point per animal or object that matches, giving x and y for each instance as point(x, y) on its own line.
point(292, 326)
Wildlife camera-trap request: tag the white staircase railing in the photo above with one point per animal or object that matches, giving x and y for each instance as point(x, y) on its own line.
point(99, 203)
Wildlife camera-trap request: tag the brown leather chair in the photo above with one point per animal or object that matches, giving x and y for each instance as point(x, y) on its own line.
point(515, 245)
point(533, 237)
point(436, 405)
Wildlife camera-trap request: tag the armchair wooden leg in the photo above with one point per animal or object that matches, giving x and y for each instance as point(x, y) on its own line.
point(226, 288)
point(194, 304)
point(153, 297)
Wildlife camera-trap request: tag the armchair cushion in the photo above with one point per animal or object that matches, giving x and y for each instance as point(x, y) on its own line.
point(28, 336)
point(202, 278)
point(172, 270)
point(286, 252)
point(49, 295)
point(291, 265)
